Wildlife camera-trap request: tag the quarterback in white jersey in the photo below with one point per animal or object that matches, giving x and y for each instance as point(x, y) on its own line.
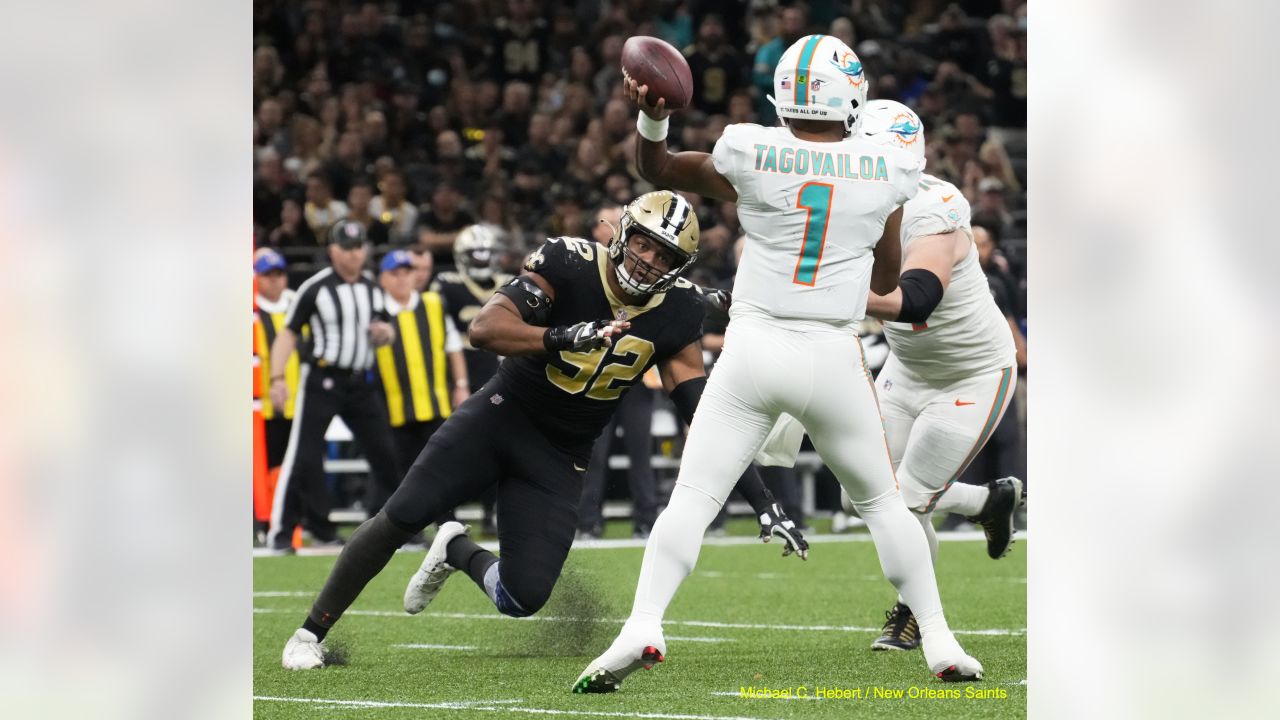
point(951, 369)
point(822, 210)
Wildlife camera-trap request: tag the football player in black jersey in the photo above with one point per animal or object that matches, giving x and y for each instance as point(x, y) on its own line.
point(578, 328)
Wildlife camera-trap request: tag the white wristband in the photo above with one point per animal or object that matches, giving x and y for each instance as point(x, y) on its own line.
point(650, 129)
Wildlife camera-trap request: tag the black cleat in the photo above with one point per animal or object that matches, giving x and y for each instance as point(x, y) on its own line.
point(900, 630)
point(996, 518)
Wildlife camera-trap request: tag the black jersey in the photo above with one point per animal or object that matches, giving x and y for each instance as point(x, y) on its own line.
point(464, 297)
point(572, 395)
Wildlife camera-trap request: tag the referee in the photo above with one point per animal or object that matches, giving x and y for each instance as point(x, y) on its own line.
point(347, 316)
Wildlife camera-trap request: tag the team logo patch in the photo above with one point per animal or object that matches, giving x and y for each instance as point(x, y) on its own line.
point(496, 399)
point(888, 384)
point(955, 216)
point(535, 260)
point(905, 129)
point(848, 63)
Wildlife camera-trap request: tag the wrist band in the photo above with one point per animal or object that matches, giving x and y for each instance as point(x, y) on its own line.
point(464, 384)
point(650, 129)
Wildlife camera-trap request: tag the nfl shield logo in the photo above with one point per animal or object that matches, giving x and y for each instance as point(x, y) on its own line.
point(785, 84)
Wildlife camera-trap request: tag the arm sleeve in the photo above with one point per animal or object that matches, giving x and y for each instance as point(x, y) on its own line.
point(380, 305)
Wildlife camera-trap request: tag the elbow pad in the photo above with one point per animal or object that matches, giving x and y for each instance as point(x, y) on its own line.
point(921, 293)
point(686, 395)
point(530, 300)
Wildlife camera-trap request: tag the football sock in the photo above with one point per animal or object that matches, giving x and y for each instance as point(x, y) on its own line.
point(466, 555)
point(365, 554)
point(963, 498)
point(905, 560)
point(926, 522)
point(672, 550)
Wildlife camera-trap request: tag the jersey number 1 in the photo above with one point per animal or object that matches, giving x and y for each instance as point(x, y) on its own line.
point(816, 198)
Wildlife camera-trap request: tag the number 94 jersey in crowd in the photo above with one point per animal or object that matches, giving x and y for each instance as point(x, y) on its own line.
point(813, 213)
point(572, 395)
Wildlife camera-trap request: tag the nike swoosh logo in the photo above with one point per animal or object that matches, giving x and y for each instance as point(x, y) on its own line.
point(947, 198)
point(581, 469)
point(960, 403)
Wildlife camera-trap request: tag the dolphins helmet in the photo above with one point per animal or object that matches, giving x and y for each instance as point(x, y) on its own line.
point(663, 217)
point(893, 124)
point(475, 251)
point(820, 78)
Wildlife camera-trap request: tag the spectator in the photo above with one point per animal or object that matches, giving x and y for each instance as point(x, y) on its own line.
point(716, 66)
point(520, 47)
point(270, 188)
point(794, 24)
point(308, 146)
point(348, 163)
point(322, 210)
point(359, 202)
point(293, 230)
point(440, 226)
point(392, 208)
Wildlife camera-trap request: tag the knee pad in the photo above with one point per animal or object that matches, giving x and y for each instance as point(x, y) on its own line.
point(863, 508)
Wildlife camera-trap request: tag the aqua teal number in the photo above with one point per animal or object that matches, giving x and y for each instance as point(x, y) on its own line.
point(816, 198)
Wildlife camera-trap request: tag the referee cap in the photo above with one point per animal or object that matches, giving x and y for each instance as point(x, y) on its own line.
point(348, 234)
point(396, 259)
point(266, 260)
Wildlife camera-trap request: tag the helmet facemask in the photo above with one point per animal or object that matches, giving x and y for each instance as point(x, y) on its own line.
point(475, 252)
point(662, 219)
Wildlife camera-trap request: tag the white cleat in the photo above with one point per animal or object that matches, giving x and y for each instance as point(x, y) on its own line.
point(633, 650)
point(303, 651)
point(952, 664)
point(427, 581)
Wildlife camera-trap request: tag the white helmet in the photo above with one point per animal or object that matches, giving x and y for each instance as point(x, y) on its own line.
point(894, 125)
point(820, 78)
point(475, 251)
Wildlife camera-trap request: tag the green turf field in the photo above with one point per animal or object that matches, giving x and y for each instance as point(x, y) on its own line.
point(745, 618)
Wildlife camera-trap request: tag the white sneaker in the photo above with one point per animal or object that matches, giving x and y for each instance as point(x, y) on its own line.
point(636, 647)
point(427, 581)
point(303, 651)
point(948, 661)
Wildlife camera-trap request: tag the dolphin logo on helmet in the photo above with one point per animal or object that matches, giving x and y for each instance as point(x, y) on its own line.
point(894, 125)
point(809, 87)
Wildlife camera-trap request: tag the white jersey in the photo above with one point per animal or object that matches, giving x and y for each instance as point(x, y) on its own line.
point(813, 213)
point(966, 334)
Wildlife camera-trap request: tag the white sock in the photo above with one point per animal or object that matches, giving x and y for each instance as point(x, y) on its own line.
point(905, 560)
point(926, 522)
point(672, 550)
point(963, 498)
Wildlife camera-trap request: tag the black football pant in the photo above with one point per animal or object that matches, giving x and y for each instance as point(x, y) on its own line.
point(301, 494)
point(490, 441)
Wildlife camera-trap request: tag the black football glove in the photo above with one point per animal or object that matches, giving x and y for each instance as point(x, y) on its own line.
point(582, 337)
point(774, 522)
point(717, 300)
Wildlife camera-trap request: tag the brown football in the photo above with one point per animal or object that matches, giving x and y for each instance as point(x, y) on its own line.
point(653, 62)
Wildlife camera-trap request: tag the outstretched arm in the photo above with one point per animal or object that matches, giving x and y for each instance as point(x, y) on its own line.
point(689, 171)
point(514, 321)
point(888, 256)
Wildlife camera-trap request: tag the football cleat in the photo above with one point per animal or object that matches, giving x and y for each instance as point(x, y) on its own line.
point(900, 630)
point(996, 519)
point(303, 651)
point(427, 581)
point(949, 663)
point(627, 655)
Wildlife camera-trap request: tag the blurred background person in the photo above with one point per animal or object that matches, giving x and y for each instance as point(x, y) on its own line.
point(415, 369)
point(271, 302)
point(393, 208)
point(345, 311)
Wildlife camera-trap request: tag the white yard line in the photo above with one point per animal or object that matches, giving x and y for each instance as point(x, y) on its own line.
point(282, 593)
point(619, 621)
point(958, 536)
point(700, 639)
point(429, 646)
point(496, 706)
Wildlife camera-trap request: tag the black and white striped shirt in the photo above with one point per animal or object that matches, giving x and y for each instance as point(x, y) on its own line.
point(339, 314)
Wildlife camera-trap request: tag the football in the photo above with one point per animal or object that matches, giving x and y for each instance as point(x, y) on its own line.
point(653, 62)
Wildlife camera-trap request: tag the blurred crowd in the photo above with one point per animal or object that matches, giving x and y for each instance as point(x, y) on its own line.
point(418, 118)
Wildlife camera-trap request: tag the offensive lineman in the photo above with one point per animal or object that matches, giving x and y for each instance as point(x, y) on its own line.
point(530, 430)
point(951, 369)
point(822, 212)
